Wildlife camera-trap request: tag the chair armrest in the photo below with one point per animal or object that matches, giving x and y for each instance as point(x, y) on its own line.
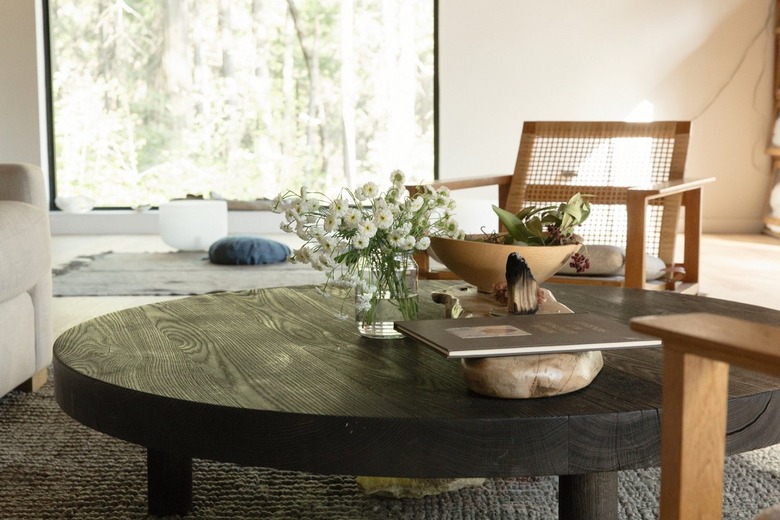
point(732, 340)
point(664, 189)
point(636, 203)
point(23, 183)
point(470, 182)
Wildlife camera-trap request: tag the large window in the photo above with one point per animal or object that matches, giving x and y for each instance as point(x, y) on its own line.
point(155, 99)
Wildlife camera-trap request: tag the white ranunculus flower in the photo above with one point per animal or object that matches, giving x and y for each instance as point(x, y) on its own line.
point(302, 255)
point(331, 223)
point(416, 203)
point(351, 218)
point(316, 232)
point(296, 203)
point(338, 207)
point(363, 301)
point(451, 227)
point(367, 228)
point(302, 231)
point(395, 195)
point(408, 242)
point(397, 178)
point(327, 243)
point(369, 190)
point(292, 214)
point(326, 261)
point(279, 204)
point(315, 263)
point(359, 284)
point(360, 241)
point(347, 280)
point(395, 237)
point(383, 218)
point(423, 243)
point(442, 201)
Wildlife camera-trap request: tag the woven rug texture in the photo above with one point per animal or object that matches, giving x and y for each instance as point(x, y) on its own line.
point(51, 467)
point(179, 273)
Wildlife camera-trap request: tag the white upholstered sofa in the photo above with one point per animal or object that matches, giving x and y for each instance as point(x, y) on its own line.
point(25, 279)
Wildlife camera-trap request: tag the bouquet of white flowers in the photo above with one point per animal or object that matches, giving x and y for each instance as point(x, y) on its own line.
point(364, 238)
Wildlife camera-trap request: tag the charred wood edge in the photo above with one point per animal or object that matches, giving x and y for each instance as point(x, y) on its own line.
point(521, 286)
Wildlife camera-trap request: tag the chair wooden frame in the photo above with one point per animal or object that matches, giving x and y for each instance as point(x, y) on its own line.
point(698, 349)
point(676, 192)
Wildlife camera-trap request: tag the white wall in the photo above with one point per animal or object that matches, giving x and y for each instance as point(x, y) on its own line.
point(506, 61)
point(22, 99)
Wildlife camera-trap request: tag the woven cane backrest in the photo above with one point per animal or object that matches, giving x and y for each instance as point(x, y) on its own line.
point(603, 159)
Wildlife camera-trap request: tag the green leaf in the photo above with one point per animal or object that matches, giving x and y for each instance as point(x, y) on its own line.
point(535, 227)
point(526, 212)
point(511, 222)
point(529, 224)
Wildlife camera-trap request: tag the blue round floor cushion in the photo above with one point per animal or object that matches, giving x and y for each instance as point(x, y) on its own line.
point(247, 250)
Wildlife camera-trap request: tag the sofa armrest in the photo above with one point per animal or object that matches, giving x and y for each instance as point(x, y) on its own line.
point(24, 183)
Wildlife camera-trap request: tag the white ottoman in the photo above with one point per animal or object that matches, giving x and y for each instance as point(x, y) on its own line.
point(193, 225)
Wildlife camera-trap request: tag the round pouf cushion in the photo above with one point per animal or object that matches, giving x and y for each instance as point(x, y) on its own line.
point(247, 250)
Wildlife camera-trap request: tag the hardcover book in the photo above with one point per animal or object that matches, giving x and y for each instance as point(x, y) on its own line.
point(514, 335)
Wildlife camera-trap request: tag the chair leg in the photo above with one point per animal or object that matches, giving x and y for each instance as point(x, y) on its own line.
point(36, 381)
point(693, 437)
point(423, 264)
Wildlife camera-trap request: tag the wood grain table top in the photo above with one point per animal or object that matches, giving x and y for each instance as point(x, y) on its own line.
point(273, 377)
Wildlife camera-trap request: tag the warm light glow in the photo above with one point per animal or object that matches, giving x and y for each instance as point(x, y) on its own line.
point(643, 112)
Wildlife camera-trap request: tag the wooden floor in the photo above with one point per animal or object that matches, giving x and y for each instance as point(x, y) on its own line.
point(743, 268)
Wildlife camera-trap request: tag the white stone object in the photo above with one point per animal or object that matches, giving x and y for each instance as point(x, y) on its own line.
point(193, 225)
point(77, 204)
point(524, 377)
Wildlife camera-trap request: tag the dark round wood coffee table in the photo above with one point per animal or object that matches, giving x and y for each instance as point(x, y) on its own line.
point(272, 378)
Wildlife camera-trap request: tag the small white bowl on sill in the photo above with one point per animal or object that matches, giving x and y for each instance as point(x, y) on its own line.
point(77, 204)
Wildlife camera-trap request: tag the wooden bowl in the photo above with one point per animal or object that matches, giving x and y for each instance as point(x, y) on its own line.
point(483, 264)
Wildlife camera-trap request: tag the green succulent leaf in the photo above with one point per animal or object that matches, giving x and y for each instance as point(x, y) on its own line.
point(529, 225)
point(513, 224)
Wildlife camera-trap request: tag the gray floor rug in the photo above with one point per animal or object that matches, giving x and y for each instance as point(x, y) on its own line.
point(181, 273)
point(53, 468)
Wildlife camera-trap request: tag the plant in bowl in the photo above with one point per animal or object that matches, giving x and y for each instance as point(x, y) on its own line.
point(544, 237)
point(548, 226)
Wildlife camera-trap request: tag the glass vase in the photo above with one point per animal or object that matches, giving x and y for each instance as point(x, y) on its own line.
point(387, 293)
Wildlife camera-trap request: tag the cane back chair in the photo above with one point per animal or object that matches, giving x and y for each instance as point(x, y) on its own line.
point(634, 175)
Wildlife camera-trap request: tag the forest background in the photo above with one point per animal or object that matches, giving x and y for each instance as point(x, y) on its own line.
point(156, 99)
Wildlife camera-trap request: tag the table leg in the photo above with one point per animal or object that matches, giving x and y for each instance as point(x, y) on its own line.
point(592, 496)
point(169, 483)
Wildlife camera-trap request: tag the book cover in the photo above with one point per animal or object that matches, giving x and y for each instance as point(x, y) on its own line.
point(514, 335)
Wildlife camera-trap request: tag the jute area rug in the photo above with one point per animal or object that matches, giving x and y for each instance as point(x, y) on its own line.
point(53, 468)
point(179, 273)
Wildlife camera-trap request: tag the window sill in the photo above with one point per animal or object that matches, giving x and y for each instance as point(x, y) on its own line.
point(129, 222)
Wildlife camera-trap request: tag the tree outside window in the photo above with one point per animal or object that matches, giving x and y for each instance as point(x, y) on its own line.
point(156, 99)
